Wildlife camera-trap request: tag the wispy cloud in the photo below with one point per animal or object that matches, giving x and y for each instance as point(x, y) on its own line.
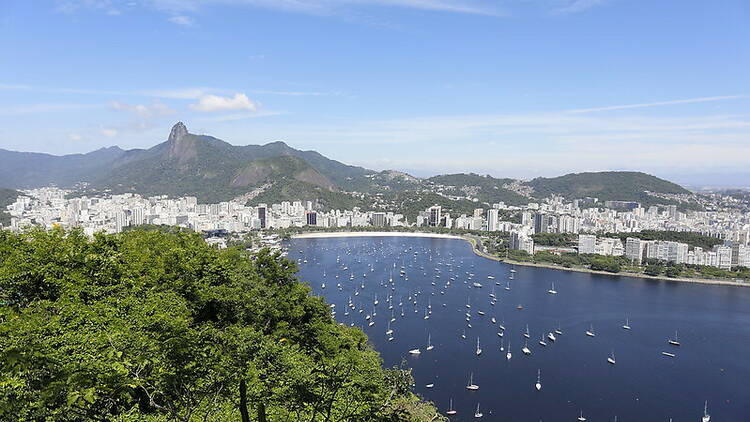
point(38, 108)
point(576, 6)
point(182, 20)
point(659, 103)
point(316, 7)
point(156, 109)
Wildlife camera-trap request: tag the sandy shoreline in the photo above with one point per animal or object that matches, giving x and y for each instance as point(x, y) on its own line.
point(472, 242)
point(316, 235)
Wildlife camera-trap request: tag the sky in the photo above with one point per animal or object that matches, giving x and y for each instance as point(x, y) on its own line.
point(511, 88)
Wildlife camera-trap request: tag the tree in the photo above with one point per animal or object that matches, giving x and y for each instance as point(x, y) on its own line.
point(151, 325)
point(653, 270)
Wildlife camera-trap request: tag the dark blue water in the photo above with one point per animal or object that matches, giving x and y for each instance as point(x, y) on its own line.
point(713, 324)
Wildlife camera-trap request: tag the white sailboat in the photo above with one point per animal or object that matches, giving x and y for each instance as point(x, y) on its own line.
point(706, 416)
point(526, 350)
point(429, 343)
point(552, 290)
point(451, 411)
point(415, 351)
point(551, 337)
point(581, 418)
point(479, 350)
point(508, 355)
point(611, 358)
point(559, 329)
point(538, 384)
point(478, 414)
point(526, 334)
point(471, 385)
point(627, 324)
point(590, 332)
point(673, 341)
point(542, 342)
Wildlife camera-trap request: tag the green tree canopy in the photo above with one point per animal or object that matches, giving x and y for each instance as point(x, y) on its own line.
point(154, 326)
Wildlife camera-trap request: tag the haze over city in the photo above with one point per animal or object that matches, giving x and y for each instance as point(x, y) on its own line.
point(514, 89)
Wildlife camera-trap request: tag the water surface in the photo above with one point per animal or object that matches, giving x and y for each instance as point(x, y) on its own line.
point(712, 323)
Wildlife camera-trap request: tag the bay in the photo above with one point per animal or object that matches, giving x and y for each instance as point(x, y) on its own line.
point(712, 323)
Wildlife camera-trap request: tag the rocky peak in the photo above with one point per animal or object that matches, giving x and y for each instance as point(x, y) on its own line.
point(178, 132)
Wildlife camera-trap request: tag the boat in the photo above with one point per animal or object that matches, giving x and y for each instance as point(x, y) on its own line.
point(671, 355)
point(542, 342)
point(414, 351)
point(471, 385)
point(590, 332)
point(519, 307)
point(389, 331)
point(507, 287)
point(508, 355)
point(526, 350)
point(479, 350)
point(478, 414)
point(627, 324)
point(451, 411)
point(552, 290)
point(477, 285)
point(551, 337)
point(611, 358)
point(429, 343)
point(706, 417)
point(673, 341)
point(526, 334)
point(376, 300)
point(430, 385)
point(559, 329)
point(581, 418)
point(538, 380)
point(493, 320)
point(463, 334)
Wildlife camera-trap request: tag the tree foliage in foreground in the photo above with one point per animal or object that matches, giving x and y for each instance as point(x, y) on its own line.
point(154, 326)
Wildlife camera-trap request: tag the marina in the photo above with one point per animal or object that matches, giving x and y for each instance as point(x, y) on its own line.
point(457, 337)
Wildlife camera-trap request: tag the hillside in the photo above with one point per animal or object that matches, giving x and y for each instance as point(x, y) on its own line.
point(7, 197)
point(24, 170)
point(607, 186)
point(485, 188)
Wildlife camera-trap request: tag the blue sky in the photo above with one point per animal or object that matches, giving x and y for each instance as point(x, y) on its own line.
point(516, 88)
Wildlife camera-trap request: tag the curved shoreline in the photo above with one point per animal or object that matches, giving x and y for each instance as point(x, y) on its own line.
point(321, 235)
point(473, 243)
point(708, 281)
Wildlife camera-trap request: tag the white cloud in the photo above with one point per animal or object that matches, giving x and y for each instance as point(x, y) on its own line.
point(182, 20)
point(108, 132)
point(659, 103)
point(156, 109)
point(211, 103)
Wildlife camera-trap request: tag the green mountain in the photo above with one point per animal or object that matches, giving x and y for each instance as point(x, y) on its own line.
point(607, 186)
point(485, 188)
point(214, 170)
point(7, 197)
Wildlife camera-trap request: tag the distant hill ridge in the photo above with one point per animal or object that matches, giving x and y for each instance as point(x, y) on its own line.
point(214, 170)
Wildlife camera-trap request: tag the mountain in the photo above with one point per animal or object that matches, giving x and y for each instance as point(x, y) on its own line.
point(7, 197)
point(213, 170)
point(23, 170)
point(485, 188)
point(607, 186)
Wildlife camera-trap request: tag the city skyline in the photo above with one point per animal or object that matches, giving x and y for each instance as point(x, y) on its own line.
point(408, 83)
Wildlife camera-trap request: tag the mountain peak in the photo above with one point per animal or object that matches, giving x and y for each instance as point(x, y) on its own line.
point(179, 131)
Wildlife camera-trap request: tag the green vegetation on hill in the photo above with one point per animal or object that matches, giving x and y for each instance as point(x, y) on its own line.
point(608, 186)
point(410, 204)
point(490, 189)
point(155, 326)
point(294, 190)
point(691, 238)
point(7, 197)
